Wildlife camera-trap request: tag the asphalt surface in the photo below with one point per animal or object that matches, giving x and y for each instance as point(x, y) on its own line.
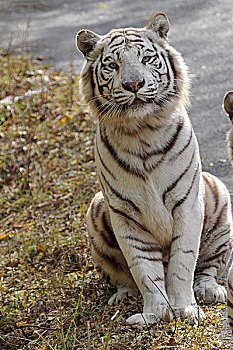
point(201, 30)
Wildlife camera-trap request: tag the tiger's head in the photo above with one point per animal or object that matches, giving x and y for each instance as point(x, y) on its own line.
point(228, 104)
point(132, 72)
point(228, 107)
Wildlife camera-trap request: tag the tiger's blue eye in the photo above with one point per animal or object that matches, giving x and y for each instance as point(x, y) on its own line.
point(113, 65)
point(146, 59)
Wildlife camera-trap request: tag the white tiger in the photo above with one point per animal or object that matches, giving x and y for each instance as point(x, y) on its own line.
point(228, 106)
point(160, 226)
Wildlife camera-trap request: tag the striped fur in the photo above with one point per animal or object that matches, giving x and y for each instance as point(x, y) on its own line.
point(228, 107)
point(159, 226)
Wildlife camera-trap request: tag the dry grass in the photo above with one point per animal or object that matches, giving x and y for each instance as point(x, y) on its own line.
point(50, 294)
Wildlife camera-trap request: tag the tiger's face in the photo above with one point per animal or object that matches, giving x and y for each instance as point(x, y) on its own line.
point(135, 74)
point(131, 71)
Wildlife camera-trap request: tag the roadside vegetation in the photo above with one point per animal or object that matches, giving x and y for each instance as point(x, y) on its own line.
point(50, 294)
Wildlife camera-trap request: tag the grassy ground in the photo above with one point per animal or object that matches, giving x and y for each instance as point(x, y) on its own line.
point(50, 294)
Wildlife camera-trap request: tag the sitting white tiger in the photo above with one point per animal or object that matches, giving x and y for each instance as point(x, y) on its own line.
point(160, 225)
point(228, 106)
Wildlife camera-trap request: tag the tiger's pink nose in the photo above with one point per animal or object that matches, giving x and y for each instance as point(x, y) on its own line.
point(133, 86)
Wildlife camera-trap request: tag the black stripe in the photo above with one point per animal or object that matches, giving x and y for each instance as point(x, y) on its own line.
point(150, 50)
point(216, 224)
point(182, 200)
point(108, 235)
point(173, 70)
point(92, 81)
point(199, 273)
point(157, 279)
point(179, 278)
point(221, 246)
point(211, 258)
point(98, 207)
point(184, 267)
point(183, 149)
point(118, 195)
point(230, 287)
point(119, 35)
point(173, 185)
point(102, 162)
point(169, 145)
point(229, 303)
point(140, 240)
point(106, 80)
point(175, 238)
point(112, 47)
point(154, 47)
point(129, 218)
point(148, 249)
point(97, 77)
point(130, 33)
point(137, 41)
point(107, 58)
point(120, 161)
point(188, 251)
point(93, 218)
point(102, 187)
point(148, 289)
point(148, 258)
point(168, 72)
point(108, 259)
point(109, 240)
point(213, 189)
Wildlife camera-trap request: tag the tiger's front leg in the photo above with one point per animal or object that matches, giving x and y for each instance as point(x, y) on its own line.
point(144, 258)
point(182, 261)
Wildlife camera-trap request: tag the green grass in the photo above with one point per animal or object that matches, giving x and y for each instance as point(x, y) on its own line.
point(50, 294)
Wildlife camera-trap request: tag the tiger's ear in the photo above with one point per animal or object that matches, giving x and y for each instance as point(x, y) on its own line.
point(159, 24)
point(86, 41)
point(228, 104)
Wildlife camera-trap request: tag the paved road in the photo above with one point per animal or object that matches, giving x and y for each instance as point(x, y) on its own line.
point(201, 30)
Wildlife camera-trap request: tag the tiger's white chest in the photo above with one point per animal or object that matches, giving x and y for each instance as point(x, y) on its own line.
point(135, 171)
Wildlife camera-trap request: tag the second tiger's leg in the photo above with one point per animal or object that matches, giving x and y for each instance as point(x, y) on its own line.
point(107, 256)
point(216, 242)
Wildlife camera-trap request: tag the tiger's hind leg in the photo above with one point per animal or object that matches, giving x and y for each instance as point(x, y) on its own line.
point(215, 246)
point(106, 253)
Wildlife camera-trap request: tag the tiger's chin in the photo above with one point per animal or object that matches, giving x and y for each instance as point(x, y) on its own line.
point(141, 109)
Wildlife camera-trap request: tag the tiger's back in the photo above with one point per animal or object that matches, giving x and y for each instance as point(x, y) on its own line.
point(147, 222)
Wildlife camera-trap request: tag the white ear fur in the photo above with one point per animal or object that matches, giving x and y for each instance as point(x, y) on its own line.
point(159, 24)
point(86, 41)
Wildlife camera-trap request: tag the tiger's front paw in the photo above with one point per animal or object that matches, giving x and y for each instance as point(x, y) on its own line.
point(193, 313)
point(211, 294)
point(142, 319)
point(162, 313)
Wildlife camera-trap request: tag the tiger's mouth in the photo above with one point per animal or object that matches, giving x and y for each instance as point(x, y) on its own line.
point(137, 101)
point(141, 102)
